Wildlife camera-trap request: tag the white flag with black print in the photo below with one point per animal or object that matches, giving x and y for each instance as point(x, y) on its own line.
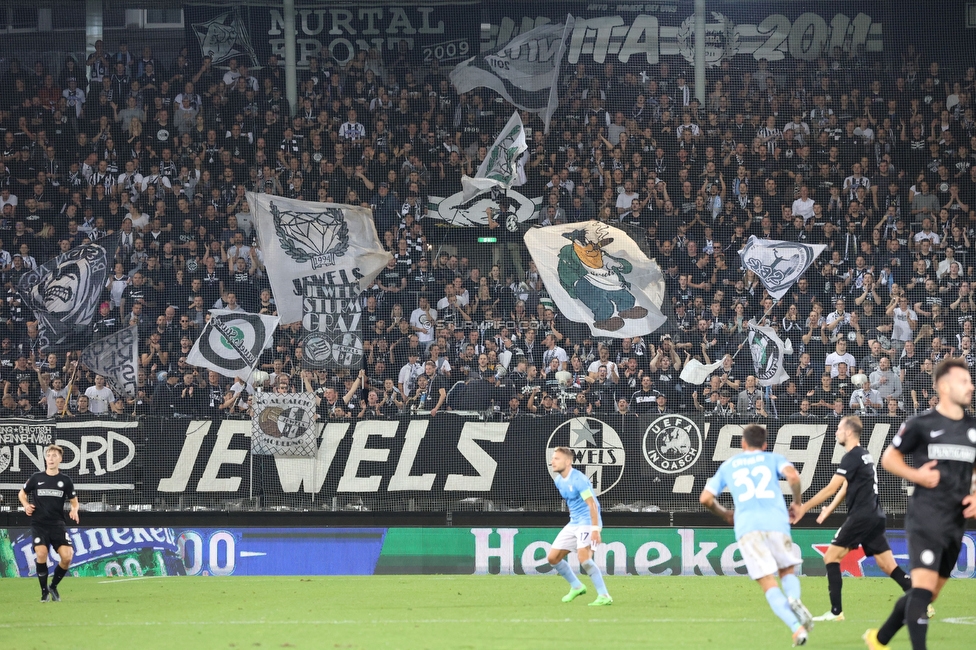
point(778, 264)
point(232, 341)
point(501, 168)
point(768, 354)
point(116, 357)
point(525, 70)
point(597, 274)
point(284, 425)
point(320, 257)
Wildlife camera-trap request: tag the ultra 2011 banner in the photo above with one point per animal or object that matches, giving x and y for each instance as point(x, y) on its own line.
point(446, 32)
point(640, 33)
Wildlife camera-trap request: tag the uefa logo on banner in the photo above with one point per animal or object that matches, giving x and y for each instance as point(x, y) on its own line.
point(597, 451)
point(672, 444)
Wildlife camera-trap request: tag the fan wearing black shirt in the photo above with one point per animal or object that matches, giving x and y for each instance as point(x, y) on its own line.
point(856, 479)
point(50, 490)
point(942, 443)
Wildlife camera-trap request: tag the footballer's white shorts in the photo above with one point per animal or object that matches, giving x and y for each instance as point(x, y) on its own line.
point(573, 536)
point(766, 552)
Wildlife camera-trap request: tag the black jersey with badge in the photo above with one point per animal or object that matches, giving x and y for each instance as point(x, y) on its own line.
point(952, 443)
point(49, 494)
point(857, 466)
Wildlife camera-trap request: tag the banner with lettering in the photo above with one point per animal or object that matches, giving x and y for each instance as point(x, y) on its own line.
point(446, 32)
point(641, 33)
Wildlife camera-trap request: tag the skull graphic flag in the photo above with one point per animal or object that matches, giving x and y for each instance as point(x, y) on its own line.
point(597, 275)
point(779, 264)
point(63, 293)
point(319, 257)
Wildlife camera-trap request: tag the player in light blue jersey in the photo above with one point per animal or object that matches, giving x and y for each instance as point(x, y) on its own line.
point(582, 533)
point(762, 524)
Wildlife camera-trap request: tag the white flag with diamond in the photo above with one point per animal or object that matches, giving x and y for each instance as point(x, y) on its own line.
point(319, 257)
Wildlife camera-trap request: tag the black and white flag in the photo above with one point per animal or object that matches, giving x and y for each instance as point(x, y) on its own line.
point(504, 166)
point(525, 70)
point(116, 357)
point(63, 293)
point(768, 353)
point(232, 341)
point(284, 425)
point(778, 264)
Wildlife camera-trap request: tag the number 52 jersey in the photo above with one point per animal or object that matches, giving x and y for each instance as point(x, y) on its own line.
point(753, 479)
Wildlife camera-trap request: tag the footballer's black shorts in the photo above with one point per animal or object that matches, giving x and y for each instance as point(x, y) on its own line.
point(934, 549)
point(53, 536)
point(867, 532)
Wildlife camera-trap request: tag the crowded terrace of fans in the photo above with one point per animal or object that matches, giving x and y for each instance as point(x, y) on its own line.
point(873, 159)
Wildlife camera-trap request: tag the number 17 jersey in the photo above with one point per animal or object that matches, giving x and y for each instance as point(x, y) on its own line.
point(753, 479)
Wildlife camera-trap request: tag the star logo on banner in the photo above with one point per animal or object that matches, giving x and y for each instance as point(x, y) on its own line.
point(851, 564)
point(583, 433)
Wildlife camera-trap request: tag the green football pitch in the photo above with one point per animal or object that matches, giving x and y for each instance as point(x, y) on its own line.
point(446, 612)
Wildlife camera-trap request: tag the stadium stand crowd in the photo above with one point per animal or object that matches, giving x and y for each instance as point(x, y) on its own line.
point(877, 162)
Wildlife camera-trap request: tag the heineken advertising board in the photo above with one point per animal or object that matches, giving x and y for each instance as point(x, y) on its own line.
point(134, 552)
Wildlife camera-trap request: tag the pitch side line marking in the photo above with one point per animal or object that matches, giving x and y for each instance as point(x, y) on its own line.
point(432, 621)
point(115, 580)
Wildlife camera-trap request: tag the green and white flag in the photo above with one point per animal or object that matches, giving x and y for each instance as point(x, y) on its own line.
point(231, 343)
point(504, 166)
point(596, 274)
point(768, 354)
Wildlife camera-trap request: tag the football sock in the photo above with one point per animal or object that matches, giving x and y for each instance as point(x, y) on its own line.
point(42, 575)
point(903, 579)
point(562, 568)
point(916, 616)
point(596, 576)
point(781, 607)
point(791, 586)
point(895, 620)
point(834, 584)
point(59, 573)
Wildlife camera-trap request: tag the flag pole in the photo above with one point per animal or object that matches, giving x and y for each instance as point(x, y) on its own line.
point(71, 382)
point(768, 311)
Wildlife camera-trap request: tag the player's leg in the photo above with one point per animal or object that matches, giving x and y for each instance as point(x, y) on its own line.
point(886, 562)
point(835, 583)
point(65, 554)
point(565, 541)
point(585, 552)
point(763, 569)
point(788, 559)
point(40, 551)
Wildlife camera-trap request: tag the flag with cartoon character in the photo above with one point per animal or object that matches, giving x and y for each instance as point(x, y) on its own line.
point(597, 275)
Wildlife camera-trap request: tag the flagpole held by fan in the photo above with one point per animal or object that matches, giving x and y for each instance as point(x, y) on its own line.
point(71, 382)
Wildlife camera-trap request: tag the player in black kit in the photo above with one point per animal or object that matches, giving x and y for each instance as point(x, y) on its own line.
point(942, 443)
point(51, 489)
point(856, 480)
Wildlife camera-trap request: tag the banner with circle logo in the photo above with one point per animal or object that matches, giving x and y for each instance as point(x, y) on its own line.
point(284, 425)
point(231, 342)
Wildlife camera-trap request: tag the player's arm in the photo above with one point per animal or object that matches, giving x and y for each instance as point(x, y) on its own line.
point(837, 484)
point(793, 479)
point(73, 513)
point(826, 512)
point(28, 506)
point(594, 516)
point(969, 512)
point(893, 460)
point(712, 489)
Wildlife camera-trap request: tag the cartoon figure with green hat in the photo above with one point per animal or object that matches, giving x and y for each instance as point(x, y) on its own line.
point(597, 279)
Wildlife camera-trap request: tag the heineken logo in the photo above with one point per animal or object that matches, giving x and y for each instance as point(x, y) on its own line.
point(316, 237)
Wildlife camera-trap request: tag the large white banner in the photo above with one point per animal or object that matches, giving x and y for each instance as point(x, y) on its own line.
point(598, 275)
point(319, 257)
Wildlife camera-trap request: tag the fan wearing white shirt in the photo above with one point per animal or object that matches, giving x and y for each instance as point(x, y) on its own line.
point(803, 206)
point(101, 397)
point(838, 356)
